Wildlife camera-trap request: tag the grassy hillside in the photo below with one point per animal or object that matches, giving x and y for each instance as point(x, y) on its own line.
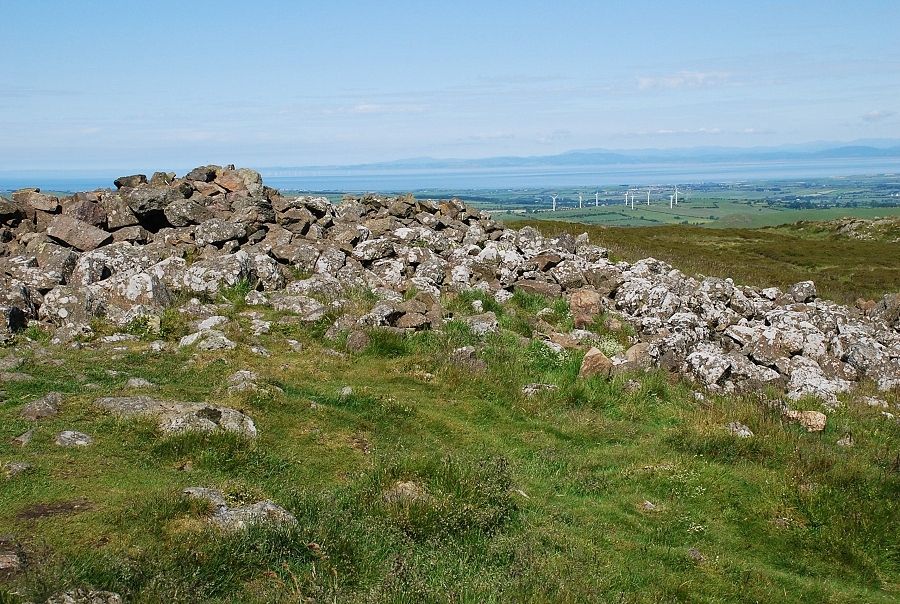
point(629, 490)
point(843, 268)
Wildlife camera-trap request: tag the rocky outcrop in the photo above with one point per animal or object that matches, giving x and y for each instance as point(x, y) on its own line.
point(127, 253)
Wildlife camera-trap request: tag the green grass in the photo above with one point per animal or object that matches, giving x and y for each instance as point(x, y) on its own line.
point(843, 268)
point(528, 500)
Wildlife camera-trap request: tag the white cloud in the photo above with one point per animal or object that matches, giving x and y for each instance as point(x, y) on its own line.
point(876, 116)
point(683, 79)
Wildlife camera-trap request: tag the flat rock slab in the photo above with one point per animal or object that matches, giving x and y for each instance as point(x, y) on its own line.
point(71, 438)
point(239, 517)
point(175, 416)
point(46, 406)
point(76, 233)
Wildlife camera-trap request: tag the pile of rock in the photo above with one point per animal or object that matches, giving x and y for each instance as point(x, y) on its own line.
point(126, 253)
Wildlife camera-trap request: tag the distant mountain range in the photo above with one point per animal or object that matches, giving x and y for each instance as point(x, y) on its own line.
point(598, 157)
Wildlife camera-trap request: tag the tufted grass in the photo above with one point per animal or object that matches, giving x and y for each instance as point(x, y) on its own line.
point(527, 499)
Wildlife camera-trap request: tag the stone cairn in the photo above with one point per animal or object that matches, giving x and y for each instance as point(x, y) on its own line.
point(127, 253)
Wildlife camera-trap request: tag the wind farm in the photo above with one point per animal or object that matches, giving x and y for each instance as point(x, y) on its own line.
point(744, 204)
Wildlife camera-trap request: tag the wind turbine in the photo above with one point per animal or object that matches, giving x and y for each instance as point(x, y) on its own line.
point(676, 195)
point(596, 198)
point(648, 195)
point(671, 198)
point(554, 196)
point(580, 201)
point(632, 200)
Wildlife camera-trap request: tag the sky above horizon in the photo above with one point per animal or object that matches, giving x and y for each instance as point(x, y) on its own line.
point(93, 85)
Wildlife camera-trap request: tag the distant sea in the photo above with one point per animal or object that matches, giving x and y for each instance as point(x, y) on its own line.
point(351, 180)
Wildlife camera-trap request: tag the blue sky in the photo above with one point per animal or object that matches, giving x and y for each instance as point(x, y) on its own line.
point(93, 84)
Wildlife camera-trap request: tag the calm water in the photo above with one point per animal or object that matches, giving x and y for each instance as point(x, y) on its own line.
point(510, 178)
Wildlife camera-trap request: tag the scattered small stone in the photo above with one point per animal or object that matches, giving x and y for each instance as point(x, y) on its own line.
point(242, 381)
point(211, 322)
point(237, 518)
point(345, 393)
point(845, 441)
point(86, 596)
point(740, 430)
point(71, 438)
point(11, 363)
point(782, 522)
point(871, 401)
point(483, 324)
point(466, 358)
point(294, 345)
point(357, 341)
point(404, 493)
point(696, 556)
point(632, 386)
point(11, 557)
point(532, 390)
point(42, 408)
point(23, 439)
point(260, 351)
point(117, 337)
point(544, 313)
point(648, 506)
point(259, 327)
point(256, 298)
point(813, 421)
point(14, 468)
point(139, 383)
point(215, 342)
point(157, 346)
point(14, 376)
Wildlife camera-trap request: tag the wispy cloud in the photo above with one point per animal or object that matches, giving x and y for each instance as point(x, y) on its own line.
point(12, 91)
point(385, 108)
point(683, 79)
point(555, 136)
point(487, 137)
point(876, 116)
point(703, 131)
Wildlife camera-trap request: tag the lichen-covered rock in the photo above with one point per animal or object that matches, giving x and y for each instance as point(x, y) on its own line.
point(71, 438)
point(177, 416)
point(231, 517)
point(85, 596)
point(42, 408)
point(216, 231)
point(307, 309)
point(209, 276)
